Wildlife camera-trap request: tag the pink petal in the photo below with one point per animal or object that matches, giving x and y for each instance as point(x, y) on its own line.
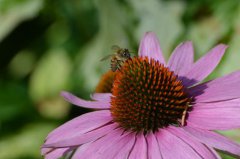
point(139, 150)
point(119, 149)
point(172, 147)
point(234, 103)
point(82, 124)
point(204, 66)
point(201, 149)
point(85, 104)
point(82, 138)
point(215, 118)
point(222, 115)
point(153, 148)
point(149, 46)
point(125, 150)
point(181, 59)
point(80, 150)
point(101, 96)
point(92, 150)
point(215, 152)
point(224, 88)
point(214, 140)
point(108, 146)
point(44, 151)
point(57, 153)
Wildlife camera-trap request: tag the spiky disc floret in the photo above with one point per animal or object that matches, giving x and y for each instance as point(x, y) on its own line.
point(147, 96)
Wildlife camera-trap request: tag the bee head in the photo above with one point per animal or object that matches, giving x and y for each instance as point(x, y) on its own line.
point(126, 53)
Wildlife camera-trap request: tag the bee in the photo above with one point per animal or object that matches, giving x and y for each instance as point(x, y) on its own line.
point(118, 58)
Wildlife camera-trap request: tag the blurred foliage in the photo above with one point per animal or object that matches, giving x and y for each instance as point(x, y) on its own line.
point(49, 46)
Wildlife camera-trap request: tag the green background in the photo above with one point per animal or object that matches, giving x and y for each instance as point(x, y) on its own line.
point(53, 45)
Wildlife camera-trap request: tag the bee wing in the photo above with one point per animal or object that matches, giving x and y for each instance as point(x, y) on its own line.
point(105, 57)
point(115, 48)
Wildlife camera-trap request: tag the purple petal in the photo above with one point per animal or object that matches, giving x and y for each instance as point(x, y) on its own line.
point(101, 96)
point(153, 148)
point(85, 104)
point(181, 59)
point(172, 147)
point(139, 150)
point(149, 46)
point(82, 124)
point(214, 140)
point(224, 88)
point(204, 66)
point(201, 149)
point(215, 118)
point(82, 138)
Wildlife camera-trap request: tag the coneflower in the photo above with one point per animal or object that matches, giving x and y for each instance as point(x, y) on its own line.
point(155, 110)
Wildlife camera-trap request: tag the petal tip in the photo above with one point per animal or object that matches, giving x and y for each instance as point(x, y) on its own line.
point(63, 93)
point(150, 33)
point(150, 36)
point(67, 96)
point(188, 42)
point(149, 46)
point(222, 47)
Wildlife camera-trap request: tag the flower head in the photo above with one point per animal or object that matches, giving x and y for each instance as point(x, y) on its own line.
point(155, 110)
point(147, 96)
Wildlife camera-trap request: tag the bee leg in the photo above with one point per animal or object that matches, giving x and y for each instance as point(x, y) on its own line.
point(184, 116)
point(119, 65)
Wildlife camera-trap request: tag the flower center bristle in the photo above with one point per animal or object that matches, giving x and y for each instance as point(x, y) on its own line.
point(147, 96)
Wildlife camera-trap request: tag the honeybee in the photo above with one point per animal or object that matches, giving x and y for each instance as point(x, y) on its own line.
point(118, 58)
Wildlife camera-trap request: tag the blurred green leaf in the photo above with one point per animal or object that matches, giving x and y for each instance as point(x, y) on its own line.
point(14, 101)
point(55, 107)
point(161, 17)
point(22, 64)
point(26, 143)
point(112, 23)
point(57, 34)
point(205, 33)
point(51, 75)
point(232, 134)
point(12, 12)
point(231, 59)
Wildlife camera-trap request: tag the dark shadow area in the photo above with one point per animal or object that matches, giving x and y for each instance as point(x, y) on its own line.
point(199, 92)
point(23, 36)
